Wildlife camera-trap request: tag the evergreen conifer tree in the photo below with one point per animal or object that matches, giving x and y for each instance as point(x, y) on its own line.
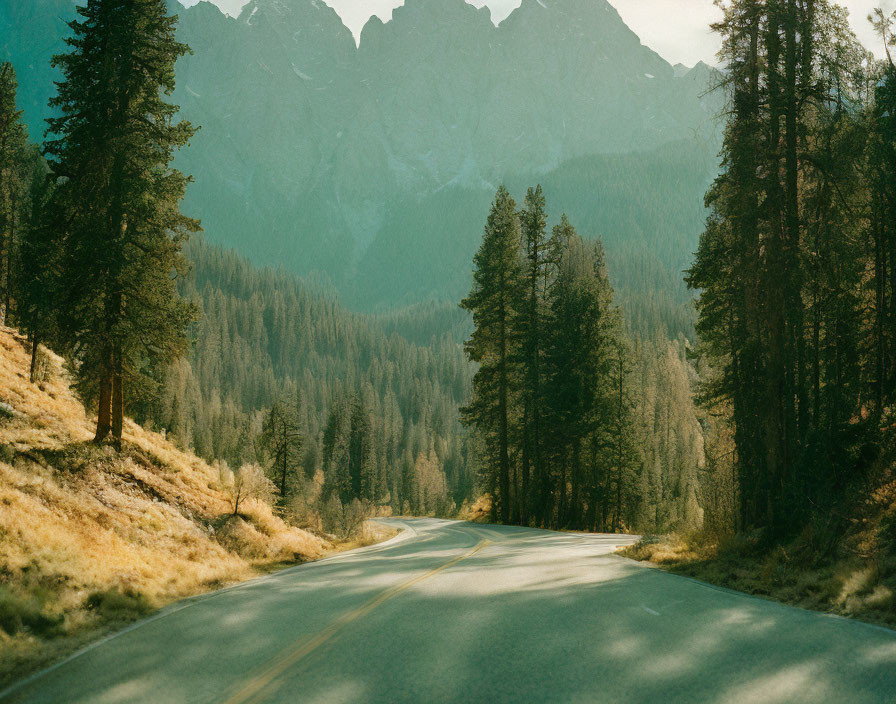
point(13, 181)
point(362, 465)
point(40, 254)
point(579, 359)
point(531, 331)
point(491, 301)
point(112, 145)
point(281, 437)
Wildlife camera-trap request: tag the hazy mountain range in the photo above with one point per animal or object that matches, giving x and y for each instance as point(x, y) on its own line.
point(375, 163)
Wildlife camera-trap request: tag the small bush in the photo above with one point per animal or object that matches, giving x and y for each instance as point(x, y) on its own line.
point(7, 454)
point(119, 605)
point(240, 536)
point(880, 598)
point(303, 513)
point(247, 482)
point(887, 532)
point(22, 613)
point(344, 520)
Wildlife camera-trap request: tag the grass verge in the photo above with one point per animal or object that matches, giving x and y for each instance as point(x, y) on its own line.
point(91, 539)
point(854, 576)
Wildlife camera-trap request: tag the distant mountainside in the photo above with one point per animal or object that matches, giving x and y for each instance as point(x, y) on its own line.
point(320, 155)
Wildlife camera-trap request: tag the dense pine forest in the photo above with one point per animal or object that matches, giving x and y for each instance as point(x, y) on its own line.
point(795, 270)
point(794, 279)
point(527, 276)
point(370, 404)
point(577, 426)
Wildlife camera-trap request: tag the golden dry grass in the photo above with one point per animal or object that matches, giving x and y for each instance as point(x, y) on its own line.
point(371, 533)
point(477, 512)
point(90, 538)
point(851, 573)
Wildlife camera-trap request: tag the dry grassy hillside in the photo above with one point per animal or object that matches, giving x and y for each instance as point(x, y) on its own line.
point(844, 567)
point(90, 539)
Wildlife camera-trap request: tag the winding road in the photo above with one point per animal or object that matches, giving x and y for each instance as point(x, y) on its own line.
point(457, 612)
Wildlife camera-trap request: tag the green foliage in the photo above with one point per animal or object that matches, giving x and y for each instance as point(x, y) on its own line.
point(495, 286)
point(345, 520)
point(40, 256)
point(531, 325)
point(794, 269)
point(267, 337)
point(551, 406)
point(25, 613)
point(671, 440)
point(110, 147)
point(117, 604)
point(281, 438)
point(14, 168)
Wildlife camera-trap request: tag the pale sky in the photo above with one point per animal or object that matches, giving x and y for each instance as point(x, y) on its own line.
point(676, 29)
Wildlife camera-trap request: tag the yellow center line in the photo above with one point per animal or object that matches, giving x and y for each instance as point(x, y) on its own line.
point(260, 686)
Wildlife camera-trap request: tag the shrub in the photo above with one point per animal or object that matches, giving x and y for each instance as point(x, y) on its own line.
point(344, 520)
point(7, 454)
point(303, 513)
point(247, 482)
point(119, 604)
point(20, 613)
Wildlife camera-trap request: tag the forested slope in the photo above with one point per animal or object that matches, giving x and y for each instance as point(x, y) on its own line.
point(91, 538)
point(797, 313)
point(266, 336)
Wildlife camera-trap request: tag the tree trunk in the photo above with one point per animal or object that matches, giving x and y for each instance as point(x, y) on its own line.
point(575, 503)
point(7, 264)
point(5, 239)
point(34, 345)
point(104, 410)
point(604, 502)
point(561, 498)
point(776, 293)
point(285, 451)
point(620, 447)
point(117, 399)
point(524, 498)
point(796, 419)
point(504, 475)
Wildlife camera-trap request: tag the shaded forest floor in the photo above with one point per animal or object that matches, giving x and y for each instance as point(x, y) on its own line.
point(850, 572)
point(91, 540)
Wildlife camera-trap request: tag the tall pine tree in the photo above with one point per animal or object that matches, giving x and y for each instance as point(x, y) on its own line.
point(40, 254)
point(531, 327)
point(780, 268)
point(491, 301)
point(281, 437)
point(112, 146)
point(13, 181)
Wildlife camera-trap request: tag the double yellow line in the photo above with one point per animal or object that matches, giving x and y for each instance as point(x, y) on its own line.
point(263, 684)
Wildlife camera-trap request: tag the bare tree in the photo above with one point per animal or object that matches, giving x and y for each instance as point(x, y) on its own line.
point(345, 520)
point(247, 482)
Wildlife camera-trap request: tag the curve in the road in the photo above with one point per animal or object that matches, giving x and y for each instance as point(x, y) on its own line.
point(456, 612)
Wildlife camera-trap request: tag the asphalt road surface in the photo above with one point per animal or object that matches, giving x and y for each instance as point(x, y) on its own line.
point(455, 612)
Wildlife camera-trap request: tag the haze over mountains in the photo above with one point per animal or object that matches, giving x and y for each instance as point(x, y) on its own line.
point(375, 163)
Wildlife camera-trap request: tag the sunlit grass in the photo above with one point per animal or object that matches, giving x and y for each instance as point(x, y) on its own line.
point(90, 539)
point(853, 575)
